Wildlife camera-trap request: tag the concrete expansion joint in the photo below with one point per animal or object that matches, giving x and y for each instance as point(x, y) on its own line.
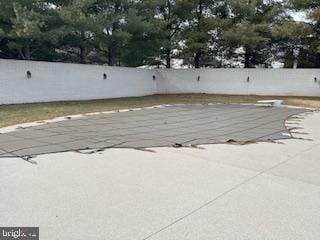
point(237, 186)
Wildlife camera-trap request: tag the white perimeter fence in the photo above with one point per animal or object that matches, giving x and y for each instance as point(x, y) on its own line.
point(30, 81)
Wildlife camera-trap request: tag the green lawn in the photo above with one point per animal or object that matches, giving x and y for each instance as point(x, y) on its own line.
point(20, 113)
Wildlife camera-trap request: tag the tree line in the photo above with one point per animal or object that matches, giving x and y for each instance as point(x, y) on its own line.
point(201, 33)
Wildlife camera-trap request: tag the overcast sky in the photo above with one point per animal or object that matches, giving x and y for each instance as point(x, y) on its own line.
point(299, 16)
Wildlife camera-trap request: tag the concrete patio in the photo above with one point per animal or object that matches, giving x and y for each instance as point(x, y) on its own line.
point(221, 191)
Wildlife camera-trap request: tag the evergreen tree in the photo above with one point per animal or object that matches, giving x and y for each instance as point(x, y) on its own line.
point(112, 16)
point(312, 7)
point(26, 28)
point(153, 32)
point(79, 28)
point(253, 21)
point(164, 16)
point(291, 38)
point(204, 21)
point(143, 46)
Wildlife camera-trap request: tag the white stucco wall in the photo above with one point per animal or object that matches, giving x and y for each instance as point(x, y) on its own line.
point(286, 82)
point(211, 81)
point(62, 81)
